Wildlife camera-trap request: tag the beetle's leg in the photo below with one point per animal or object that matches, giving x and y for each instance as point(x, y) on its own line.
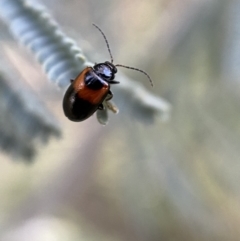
point(109, 95)
point(101, 107)
point(114, 82)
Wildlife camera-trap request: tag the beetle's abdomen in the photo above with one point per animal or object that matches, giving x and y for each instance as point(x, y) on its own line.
point(76, 108)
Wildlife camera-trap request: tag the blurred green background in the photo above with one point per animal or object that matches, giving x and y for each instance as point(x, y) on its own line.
point(173, 180)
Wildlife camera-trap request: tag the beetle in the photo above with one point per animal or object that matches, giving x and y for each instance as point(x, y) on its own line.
point(91, 87)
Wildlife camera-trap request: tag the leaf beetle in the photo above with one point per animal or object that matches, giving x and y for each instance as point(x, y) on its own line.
point(91, 87)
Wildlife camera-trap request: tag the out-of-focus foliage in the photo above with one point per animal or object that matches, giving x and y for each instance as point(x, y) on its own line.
point(177, 180)
point(23, 122)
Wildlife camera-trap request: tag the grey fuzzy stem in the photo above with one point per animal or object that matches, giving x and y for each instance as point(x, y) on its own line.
point(34, 28)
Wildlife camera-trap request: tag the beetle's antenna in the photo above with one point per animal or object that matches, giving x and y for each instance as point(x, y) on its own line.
point(128, 67)
point(105, 41)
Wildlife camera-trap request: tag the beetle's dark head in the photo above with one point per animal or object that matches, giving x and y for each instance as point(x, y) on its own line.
point(105, 70)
